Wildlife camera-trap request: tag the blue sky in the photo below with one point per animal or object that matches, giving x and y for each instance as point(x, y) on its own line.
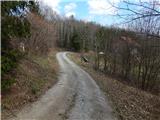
point(99, 11)
point(82, 12)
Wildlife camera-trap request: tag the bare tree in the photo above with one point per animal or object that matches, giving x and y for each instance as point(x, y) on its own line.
point(131, 11)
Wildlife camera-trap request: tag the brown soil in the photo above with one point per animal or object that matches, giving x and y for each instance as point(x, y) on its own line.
point(34, 76)
point(129, 103)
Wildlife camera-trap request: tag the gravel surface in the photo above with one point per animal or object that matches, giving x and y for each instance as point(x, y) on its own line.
point(75, 97)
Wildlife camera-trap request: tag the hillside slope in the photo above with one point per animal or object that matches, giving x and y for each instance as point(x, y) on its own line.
point(128, 102)
point(34, 75)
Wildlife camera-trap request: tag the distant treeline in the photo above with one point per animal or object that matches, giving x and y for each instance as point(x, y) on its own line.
point(132, 54)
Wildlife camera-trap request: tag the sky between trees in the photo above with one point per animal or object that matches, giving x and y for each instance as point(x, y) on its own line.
point(104, 12)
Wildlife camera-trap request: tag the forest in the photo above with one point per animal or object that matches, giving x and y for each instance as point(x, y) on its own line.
point(61, 67)
point(130, 53)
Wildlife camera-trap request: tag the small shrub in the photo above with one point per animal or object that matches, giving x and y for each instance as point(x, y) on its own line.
point(34, 89)
point(9, 61)
point(6, 83)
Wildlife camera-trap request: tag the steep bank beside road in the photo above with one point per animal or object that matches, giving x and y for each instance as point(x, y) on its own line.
point(35, 74)
point(129, 103)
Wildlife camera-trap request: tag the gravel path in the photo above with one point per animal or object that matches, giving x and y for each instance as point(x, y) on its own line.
point(75, 97)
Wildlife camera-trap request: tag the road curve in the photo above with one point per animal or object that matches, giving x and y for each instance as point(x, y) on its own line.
point(76, 96)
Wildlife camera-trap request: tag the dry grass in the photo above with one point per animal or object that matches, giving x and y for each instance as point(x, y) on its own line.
point(34, 75)
point(129, 103)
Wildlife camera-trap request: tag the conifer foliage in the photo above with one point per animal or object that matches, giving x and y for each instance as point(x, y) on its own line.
point(14, 24)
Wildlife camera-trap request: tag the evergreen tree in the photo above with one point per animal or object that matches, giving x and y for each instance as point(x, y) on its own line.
point(75, 41)
point(13, 24)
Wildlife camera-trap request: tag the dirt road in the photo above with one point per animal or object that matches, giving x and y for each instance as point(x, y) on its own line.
point(75, 97)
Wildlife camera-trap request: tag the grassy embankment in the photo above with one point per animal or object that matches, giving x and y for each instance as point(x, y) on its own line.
point(33, 76)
